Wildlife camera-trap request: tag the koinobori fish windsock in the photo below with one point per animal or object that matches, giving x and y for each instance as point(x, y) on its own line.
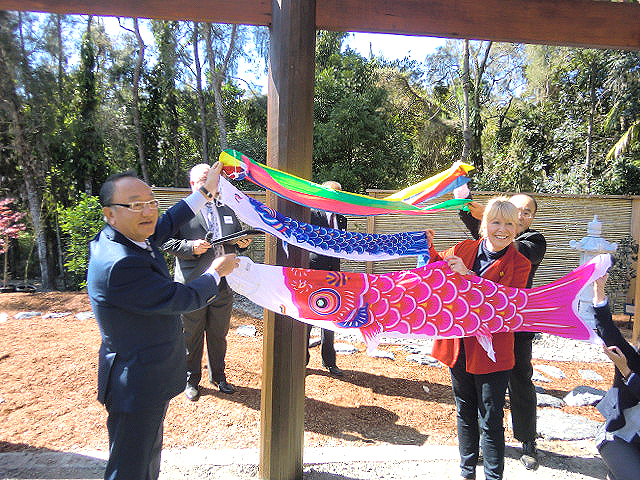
point(322, 240)
point(312, 195)
point(431, 301)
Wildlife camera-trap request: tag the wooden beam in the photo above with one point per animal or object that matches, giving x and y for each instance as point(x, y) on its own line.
point(585, 23)
point(248, 12)
point(289, 148)
point(554, 22)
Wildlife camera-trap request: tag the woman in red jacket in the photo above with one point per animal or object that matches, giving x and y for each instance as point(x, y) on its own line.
point(479, 384)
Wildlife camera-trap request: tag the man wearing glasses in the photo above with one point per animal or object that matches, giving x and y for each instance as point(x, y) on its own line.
point(522, 393)
point(141, 363)
point(194, 254)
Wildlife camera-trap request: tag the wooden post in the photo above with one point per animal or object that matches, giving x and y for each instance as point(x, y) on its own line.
point(289, 148)
point(635, 233)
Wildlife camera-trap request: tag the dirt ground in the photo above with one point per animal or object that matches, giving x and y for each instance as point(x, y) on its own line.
point(48, 390)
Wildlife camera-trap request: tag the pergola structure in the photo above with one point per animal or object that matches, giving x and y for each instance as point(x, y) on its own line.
point(293, 24)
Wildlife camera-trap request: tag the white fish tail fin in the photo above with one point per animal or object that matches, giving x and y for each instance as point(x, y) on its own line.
point(370, 334)
point(484, 338)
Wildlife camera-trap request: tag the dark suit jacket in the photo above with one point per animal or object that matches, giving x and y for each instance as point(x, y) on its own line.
point(324, 262)
point(188, 265)
point(137, 306)
point(621, 395)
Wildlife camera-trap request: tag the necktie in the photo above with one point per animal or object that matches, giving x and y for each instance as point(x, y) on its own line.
point(214, 228)
point(149, 247)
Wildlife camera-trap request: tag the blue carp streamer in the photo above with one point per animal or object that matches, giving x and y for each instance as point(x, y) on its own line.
point(325, 241)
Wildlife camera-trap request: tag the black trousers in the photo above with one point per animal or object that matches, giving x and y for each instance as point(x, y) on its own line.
point(522, 392)
point(622, 458)
point(213, 321)
point(479, 407)
point(135, 444)
point(326, 344)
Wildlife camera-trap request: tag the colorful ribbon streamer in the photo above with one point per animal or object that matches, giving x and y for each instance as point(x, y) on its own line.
point(325, 241)
point(431, 301)
point(304, 192)
point(435, 186)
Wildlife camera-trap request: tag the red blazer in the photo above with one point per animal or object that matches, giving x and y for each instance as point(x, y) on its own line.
point(512, 270)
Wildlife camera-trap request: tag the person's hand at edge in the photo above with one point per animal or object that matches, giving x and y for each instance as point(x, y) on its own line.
point(224, 264)
point(618, 358)
point(243, 242)
point(213, 178)
point(457, 265)
point(476, 210)
point(200, 246)
point(431, 234)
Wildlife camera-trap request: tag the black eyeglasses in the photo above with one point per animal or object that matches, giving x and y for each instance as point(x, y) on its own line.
point(137, 206)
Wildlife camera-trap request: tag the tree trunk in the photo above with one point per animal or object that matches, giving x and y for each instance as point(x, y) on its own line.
point(135, 108)
point(589, 149)
point(476, 124)
point(466, 85)
point(31, 168)
point(33, 198)
point(217, 76)
point(61, 59)
point(201, 103)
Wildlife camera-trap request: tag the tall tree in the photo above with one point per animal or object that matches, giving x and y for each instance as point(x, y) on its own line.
point(221, 49)
point(476, 75)
point(356, 141)
point(201, 102)
point(23, 123)
point(166, 72)
point(89, 147)
point(135, 98)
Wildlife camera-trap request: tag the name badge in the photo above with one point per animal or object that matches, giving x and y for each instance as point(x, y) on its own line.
point(227, 219)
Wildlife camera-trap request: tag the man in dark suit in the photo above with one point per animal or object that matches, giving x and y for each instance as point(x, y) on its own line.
point(323, 262)
point(137, 306)
point(522, 393)
point(193, 255)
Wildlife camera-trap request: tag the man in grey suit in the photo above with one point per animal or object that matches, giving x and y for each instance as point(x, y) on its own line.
point(194, 254)
point(137, 305)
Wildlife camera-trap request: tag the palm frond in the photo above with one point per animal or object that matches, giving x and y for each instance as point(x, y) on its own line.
point(626, 140)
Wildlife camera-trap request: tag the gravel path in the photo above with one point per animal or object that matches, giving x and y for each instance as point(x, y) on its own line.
point(564, 460)
point(329, 463)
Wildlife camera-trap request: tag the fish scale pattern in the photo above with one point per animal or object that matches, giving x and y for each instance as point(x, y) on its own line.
point(427, 301)
point(333, 240)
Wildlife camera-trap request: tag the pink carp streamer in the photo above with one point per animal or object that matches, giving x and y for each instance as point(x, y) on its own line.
point(431, 301)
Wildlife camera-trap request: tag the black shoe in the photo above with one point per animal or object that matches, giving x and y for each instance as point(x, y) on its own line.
point(529, 456)
point(333, 370)
point(192, 393)
point(225, 387)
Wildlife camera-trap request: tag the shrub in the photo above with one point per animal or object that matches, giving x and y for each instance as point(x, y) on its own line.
point(80, 223)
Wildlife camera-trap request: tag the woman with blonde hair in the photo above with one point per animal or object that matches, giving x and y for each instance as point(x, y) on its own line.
point(479, 384)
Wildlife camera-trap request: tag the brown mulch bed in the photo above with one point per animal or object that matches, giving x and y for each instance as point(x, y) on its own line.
point(48, 390)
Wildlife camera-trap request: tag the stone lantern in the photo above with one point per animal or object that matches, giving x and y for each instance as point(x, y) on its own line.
point(589, 247)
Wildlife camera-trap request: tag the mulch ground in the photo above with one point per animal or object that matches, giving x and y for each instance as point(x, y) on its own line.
point(48, 390)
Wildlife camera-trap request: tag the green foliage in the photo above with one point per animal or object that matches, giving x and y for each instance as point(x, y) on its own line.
point(80, 223)
point(356, 141)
